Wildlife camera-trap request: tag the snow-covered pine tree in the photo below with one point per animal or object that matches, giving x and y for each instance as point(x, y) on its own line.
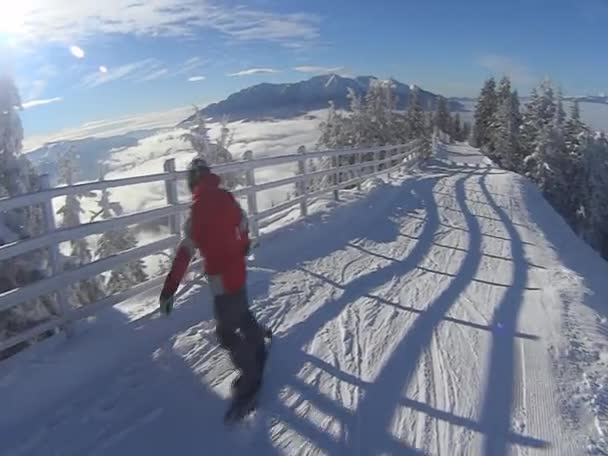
point(372, 121)
point(213, 153)
point(506, 132)
point(380, 106)
point(574, 129)
point(115, 241)
point(559, 116)
point(89, 290)
point(17, 176)
point(466, 131)
point(442, 115)
point(333, 136)
point(415, 117)
point(355, 128)
point(331, 127)
point(593, 211)
point(504, 90)
point(499, 120)
point(456, 130)
point(484, 114)
point(198, 136)
point(538, 119)
point(550, 164)
point(226, 136)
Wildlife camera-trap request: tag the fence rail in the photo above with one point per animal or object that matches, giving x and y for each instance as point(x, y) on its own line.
point(385, 160)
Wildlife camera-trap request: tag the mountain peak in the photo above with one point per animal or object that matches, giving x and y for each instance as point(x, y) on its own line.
point(267, 100)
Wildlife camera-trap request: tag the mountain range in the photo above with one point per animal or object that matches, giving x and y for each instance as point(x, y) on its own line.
point(293, 99)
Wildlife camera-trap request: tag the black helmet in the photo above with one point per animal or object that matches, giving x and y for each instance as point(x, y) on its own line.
point(196, 170)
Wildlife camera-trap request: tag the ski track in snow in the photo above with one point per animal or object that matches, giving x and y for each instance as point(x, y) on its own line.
point(428, 315)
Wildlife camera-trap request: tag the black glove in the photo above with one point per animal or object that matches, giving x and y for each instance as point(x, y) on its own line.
point(247, 249)
point(166, 304)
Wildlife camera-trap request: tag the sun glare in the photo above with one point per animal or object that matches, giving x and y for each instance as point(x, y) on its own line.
point(12, 17)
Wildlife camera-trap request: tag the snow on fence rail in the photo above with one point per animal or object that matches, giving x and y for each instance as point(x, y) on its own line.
point(385, 160)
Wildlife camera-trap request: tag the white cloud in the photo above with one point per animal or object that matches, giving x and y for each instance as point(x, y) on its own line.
point(35, 88)
point(139, 70)
point(67, 21)
point(191, 65)
point(196, 78)
point(264, 138)
point(34, 103)
point(314, 69)
point(142, 71)
point(104, 128)
point(155, 75)
point(503, 65)
point(253, 71)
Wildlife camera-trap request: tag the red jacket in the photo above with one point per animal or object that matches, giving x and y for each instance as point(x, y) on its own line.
point(217, 227)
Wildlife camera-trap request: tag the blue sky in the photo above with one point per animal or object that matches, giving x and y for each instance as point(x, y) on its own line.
point(142, 56)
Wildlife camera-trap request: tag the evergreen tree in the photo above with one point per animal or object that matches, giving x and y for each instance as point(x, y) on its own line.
point(501, 122)
point(380, 106)
point(415, 118)
point(484, 114)
point(213, 153)
point(550, 164)
point(89, 290)
point(466, 131)
point(539, 117)
point(332, 129)
point(593, 212)
point(17, 176)
point(457, 128)
point(372, 121)
point(226, 136)
point(442, 115)
point(116, 241)
point(506, 131)
point(574, 129)
point(355, 129)
point(559, 116)
point(504, 91)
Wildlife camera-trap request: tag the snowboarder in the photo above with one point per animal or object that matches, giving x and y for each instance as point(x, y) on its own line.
point(218, 228)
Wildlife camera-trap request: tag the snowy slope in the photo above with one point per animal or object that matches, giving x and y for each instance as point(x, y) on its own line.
point(447, 311)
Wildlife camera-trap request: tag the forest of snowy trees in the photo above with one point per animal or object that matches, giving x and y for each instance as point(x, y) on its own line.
point(17, 177)
point(555, 150)
point(374, 121)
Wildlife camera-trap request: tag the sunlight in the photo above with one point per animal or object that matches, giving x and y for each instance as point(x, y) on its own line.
point(13, 16)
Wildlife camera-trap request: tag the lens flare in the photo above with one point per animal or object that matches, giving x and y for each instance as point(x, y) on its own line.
point(103, 69)
point(77, 51)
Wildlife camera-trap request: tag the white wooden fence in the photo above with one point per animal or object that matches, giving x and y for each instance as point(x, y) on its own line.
point(385, 160)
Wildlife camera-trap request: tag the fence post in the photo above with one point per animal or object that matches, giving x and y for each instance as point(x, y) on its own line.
point(61, 298)
point(171, 192)
point(252, 200)
point(334, 162)
point(303, 184)
point(359, 161)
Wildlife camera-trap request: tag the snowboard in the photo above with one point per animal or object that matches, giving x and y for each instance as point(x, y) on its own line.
point(240, 408)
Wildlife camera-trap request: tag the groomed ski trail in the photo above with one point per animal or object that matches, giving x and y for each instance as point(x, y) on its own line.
point(407, 319)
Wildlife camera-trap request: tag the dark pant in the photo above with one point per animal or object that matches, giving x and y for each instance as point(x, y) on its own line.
point(238, 332)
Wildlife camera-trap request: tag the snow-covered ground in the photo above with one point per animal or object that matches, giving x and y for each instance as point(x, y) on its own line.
point(446, 311)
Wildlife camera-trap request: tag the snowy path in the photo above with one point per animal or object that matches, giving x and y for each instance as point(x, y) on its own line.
point(419, 319)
